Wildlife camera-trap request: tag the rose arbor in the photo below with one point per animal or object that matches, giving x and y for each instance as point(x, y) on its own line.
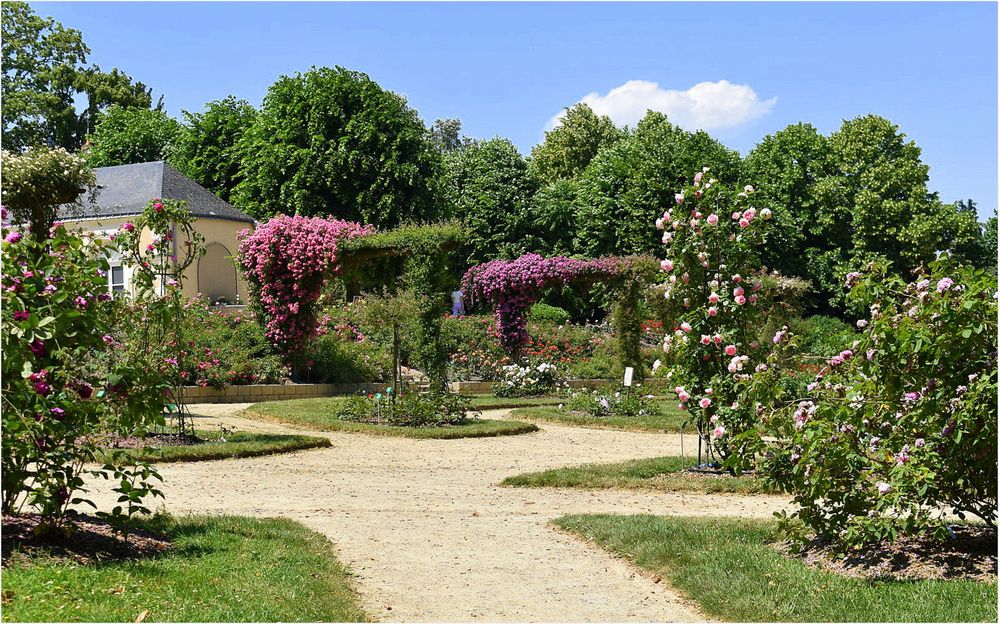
point(512, 286)
point(712, 235)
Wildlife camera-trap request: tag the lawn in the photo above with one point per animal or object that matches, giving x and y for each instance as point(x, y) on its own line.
point(669, 419)
point(487, 401)
point(728, 568)
point(239, 444)
point(319, 415)
point(221, 569)
point(661, 474)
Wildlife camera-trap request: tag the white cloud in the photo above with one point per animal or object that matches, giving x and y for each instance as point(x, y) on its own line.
point(704, 106)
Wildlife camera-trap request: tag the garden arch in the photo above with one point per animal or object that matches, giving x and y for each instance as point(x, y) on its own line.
point(217, 274)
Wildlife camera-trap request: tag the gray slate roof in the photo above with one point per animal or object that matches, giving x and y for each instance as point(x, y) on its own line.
point(126, 189)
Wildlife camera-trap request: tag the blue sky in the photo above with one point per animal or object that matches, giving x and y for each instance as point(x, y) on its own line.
point(508, 69)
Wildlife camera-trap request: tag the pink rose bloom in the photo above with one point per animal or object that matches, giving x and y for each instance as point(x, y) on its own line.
point(698, 176)
point(731, 350)
point(718, 432)
point(679, 198)
point(944, 284)
point(713, 298)
point(752, 299)
point(686, 327)
point(705, 403)
point(158, 207)
point(684, 397)
point(744, 223)
point(737, 278)
point(740, 300)
point(883, 488)
point(750, 214)
point(667, 265)
point(150, 247)
point(717, 339)
point(709, 391)
point(712, 219)
point(712, 311)
point(705, 340)
point(736, 216)
point(738, 292)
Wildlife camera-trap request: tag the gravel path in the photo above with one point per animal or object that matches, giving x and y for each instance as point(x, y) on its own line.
point(431, 537)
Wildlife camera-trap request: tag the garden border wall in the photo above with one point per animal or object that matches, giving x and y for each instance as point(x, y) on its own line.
point(283, 392)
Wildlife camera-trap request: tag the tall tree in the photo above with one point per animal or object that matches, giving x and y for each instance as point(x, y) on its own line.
point(205, 150)
point(490, 190)
point(131, 135)
point(570, 146)
point(44, 76)
point(630, 183)
point(445, 134)
point(333, 142)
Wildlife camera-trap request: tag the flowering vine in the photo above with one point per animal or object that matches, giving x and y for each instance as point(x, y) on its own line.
point(286, 261)
point(512, 286)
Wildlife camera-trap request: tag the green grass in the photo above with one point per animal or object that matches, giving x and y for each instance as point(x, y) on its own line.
point(318, 415)
point(657, 473)
point(222, 569)
point(241, 444)
point(485, 401)
point(669, 420)
point(728, 568)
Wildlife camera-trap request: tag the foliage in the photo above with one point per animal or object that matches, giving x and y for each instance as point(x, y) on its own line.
point(572, 144)
point(629, 183)
point(224, 444)
point(445, 135)
point(125, 136)
point(512, 286)
point(624, 402)
point(550, 225)
point(546, 313)
point(342, 354)
point(286, 261)
point(280, 570)
point(474, 348)
point(487, 186)
point(44, 79)
point(37, 182)
point(410, 409)
point(730, 568)
point(64, 380)
point(823, 335)
point(901, 424)
point(205, 149)
point(331, 142)
point(713, 235)
point(522, 381)
point(667, 418)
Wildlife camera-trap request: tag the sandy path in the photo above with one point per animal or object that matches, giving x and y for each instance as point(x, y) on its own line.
point(432, 538)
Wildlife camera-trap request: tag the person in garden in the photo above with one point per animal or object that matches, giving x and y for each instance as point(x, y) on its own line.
point(457, 303)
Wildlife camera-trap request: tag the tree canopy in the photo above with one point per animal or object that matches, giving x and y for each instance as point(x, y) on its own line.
point(333, 142)
point(131, 135)
point(570, 146)
point(45, 75)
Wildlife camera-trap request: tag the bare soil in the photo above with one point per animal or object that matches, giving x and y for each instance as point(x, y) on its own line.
point(970, 554)
point(82, 539)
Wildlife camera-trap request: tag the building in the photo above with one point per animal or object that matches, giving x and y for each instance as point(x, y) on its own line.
point(123, 193)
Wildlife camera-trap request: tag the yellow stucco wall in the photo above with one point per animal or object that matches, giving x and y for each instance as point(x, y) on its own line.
point(217, 232)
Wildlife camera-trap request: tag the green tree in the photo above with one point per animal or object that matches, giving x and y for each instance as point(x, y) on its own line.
point(785, 167)
point(570, 146)
point(989, 243)
point(629, 184)
point(333, 142)
point(550, 225)
point(445, 134)
point(490, 190)
point(131, 135)
point(205, 150)
point(44, 76)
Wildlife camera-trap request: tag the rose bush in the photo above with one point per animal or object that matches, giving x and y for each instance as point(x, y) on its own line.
point(65, 379)
point(286, 261)
point(901, 423)
point(714, 290)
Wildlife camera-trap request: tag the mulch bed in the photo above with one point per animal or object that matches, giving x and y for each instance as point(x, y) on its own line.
point(90, 540)
point(151, 439)
point(969, 555)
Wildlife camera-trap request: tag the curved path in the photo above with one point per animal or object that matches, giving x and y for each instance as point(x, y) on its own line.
point(431, 537)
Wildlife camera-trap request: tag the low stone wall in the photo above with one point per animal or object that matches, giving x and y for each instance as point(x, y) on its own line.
point(279, 392)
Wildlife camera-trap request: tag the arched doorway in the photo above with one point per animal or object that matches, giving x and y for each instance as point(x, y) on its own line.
point(217, 274)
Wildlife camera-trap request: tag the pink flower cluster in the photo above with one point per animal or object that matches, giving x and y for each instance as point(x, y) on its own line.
point(286, 261)
point(513, 286)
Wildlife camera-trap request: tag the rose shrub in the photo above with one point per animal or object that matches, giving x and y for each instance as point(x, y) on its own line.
point(521, 381)
point(901, 424)
point(286, 261)
point(65, 379)
point(713, 236)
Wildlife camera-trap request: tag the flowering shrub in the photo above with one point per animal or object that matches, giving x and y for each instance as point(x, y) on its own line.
point(621, 402)
point(286, 261)
point(512, 286)
point(518, 381)
point(65, 379)
point(39, 181)
point(712, 235)
point(901, 423)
